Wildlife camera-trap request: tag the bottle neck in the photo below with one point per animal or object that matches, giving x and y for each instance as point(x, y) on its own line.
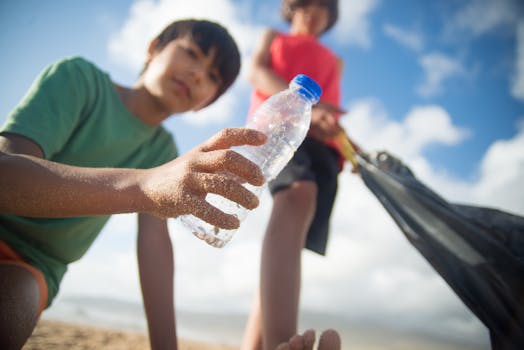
point(304, 93)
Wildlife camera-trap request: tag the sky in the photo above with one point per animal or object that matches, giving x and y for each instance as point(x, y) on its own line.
point(440, 84)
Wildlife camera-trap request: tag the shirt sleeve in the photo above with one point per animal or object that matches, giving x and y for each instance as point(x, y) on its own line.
point(162, 149)
point(52, 108)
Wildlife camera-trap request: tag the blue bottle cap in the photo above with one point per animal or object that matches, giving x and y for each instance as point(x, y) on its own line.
point(308, 87)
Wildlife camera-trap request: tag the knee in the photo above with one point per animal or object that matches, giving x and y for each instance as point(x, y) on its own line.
point(297, 203)
point(301, 195)
point(19, 302)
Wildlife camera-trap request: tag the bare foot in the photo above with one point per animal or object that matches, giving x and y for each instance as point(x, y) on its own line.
point(329, 340)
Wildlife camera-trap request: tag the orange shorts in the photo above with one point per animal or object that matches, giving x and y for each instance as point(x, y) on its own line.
point(9, 257)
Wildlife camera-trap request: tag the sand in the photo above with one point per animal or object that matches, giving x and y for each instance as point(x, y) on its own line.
point(58, 335)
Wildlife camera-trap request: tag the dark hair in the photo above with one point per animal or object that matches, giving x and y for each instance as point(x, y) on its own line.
point(207, 35)
point(289, 6)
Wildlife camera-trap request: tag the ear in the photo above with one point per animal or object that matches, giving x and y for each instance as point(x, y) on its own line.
point(151, 49)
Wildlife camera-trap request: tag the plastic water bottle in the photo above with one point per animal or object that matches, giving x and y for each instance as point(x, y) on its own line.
point(284, 118)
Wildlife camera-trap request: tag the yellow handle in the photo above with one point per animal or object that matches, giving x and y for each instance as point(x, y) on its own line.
point(346, 148)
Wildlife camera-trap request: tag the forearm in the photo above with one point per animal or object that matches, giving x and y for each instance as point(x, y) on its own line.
point(260, 73)
point(30, 186)
point(267, 81)
point(156, 267)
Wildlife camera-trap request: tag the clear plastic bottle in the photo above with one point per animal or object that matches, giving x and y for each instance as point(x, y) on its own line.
point(284, 118)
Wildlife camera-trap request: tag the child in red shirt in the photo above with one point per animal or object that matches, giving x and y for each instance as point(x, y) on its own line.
point(304, 192)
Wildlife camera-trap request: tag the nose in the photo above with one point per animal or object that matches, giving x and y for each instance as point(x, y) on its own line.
point(197, 72)
point(307, 14)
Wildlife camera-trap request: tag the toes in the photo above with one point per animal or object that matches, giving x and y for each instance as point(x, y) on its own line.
point(329, 340)
point(283, 346)
point(309, 339)
point(296, 342)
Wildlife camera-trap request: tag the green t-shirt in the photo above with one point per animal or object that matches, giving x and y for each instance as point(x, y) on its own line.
point(74, 113)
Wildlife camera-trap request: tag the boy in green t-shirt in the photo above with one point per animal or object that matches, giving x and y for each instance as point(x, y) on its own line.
point(79, 148)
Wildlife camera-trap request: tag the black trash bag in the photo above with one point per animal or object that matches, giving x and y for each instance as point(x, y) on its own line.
point(478, 251)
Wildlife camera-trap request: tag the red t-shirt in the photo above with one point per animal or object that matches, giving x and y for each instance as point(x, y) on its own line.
point(303, 54)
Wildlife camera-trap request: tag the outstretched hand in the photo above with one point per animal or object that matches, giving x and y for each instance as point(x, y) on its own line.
point(180, 186)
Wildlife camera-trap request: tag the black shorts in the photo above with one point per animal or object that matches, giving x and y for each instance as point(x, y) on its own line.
point(313, 161)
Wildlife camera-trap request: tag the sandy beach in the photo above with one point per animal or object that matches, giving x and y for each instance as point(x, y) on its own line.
point(58, 335)
point(68, 335)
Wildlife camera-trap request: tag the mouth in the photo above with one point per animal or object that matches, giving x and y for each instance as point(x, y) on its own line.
point(181, 87)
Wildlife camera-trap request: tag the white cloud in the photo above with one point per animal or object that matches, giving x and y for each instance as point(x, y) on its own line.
point(147, 18)
point(501, 174)
point(431, 124)
point(482, 16)
point(410, 39)
point(500, 171)
point(517, 89)
point(438, 67)
point(370, 125)
point(353, 24)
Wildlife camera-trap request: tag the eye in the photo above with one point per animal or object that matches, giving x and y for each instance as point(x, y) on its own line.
point(214, 77)
point(191, 52)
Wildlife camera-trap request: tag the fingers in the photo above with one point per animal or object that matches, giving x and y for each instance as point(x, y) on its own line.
point(234, 137)
point(205, 211)
point(217, 157)
point(326, 122)
point(200, 184)
point(330, 121)
point(330, 107)
point(232, 162)
point(226, 187)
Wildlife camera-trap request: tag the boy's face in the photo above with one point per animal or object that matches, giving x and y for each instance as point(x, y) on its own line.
point(181, 76)
point(311, 19)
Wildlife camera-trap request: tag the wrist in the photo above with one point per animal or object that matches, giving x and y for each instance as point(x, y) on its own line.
point(134, 193)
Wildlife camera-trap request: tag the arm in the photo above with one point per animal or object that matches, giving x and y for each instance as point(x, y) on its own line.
point(324, 116)
point(31, 186)
point(260, 73)
point(156, 268)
